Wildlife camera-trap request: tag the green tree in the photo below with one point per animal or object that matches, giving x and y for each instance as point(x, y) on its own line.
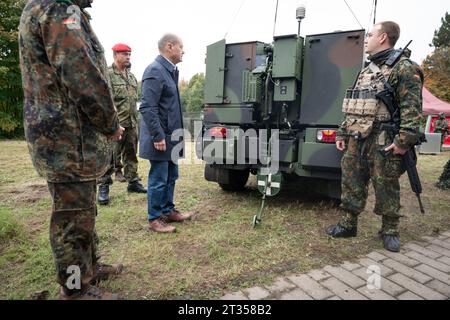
point(139, 90)
point(192, 93)
point(437, 73)
point(11, 94)
point(437, 65)
point(183, 87)
point(442, 36)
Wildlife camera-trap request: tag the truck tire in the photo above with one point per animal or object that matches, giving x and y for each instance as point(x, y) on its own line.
point(237, 180)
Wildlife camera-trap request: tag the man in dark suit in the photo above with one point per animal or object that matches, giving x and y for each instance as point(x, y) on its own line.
point(161, 137)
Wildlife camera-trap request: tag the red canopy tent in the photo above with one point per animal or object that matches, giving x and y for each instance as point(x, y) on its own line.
point(432, 106)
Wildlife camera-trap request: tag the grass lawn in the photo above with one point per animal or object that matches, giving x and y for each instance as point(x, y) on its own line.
point(215, 253)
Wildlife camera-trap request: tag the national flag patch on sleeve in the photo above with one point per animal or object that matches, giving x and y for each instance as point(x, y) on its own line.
point(72, 23)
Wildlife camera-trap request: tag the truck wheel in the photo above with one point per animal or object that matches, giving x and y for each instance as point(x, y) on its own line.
point(238, 180)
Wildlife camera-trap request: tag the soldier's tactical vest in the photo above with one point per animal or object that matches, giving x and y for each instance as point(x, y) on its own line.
point(361, 107)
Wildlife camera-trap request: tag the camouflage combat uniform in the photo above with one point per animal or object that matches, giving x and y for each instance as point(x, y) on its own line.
point(441, 126)
point(125, 93)
point(362, 162)
point(68, 114)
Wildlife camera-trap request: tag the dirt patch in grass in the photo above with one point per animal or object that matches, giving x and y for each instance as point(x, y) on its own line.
point(28, 193)
point(186, 250)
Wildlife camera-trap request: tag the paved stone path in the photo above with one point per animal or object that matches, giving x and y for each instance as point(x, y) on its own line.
point(421, 271)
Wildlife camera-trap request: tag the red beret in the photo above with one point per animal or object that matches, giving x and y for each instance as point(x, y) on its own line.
point(120, 47)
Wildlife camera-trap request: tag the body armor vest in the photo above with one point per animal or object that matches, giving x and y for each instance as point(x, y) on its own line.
point(361, 107)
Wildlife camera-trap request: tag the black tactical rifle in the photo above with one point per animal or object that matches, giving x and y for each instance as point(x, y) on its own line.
point(387, 96)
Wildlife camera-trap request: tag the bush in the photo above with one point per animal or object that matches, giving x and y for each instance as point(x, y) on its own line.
point(444, 179)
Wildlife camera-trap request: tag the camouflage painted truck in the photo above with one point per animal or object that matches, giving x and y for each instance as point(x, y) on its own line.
point(291, 89)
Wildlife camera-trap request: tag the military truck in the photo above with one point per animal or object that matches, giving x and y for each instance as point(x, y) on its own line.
point(293, 87)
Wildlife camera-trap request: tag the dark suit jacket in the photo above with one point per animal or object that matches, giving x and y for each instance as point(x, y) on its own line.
point(162, 117)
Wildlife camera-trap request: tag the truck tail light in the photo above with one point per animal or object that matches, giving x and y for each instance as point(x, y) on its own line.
point(326, 136)
point(217, 132)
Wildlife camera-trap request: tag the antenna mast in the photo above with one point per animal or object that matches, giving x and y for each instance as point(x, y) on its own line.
point(275, 23)
point(375, 12)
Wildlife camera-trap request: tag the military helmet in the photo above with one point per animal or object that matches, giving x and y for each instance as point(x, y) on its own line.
point(441, 114)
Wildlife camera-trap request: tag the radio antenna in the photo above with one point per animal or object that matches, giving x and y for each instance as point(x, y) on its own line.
point(276, 15)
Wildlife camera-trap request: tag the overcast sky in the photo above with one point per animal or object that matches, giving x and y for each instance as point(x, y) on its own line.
point(141, 23)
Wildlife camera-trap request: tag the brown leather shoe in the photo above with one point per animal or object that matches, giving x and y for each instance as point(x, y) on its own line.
point(120, 177)
point(105, 272)
point(160, 225)
point(88, 293)
point(176, 216)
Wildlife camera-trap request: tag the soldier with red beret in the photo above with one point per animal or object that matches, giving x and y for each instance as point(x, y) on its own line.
point(125, 93)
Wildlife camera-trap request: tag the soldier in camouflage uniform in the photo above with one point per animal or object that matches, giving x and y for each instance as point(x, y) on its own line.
point(70, 120)
point(361, 136)
point(127, 116)
point(441, 126)
point(124, 86)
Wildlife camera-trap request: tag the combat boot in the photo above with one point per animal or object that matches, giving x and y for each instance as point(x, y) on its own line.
point(338, 231)
point(389, 233)
point(87, 293)
point(119, 176)
point(103, 195)
point(136, 187)
point(391, 242)
point(105, 271)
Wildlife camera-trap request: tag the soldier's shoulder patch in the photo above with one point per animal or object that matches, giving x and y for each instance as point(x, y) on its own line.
point(73, 21)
